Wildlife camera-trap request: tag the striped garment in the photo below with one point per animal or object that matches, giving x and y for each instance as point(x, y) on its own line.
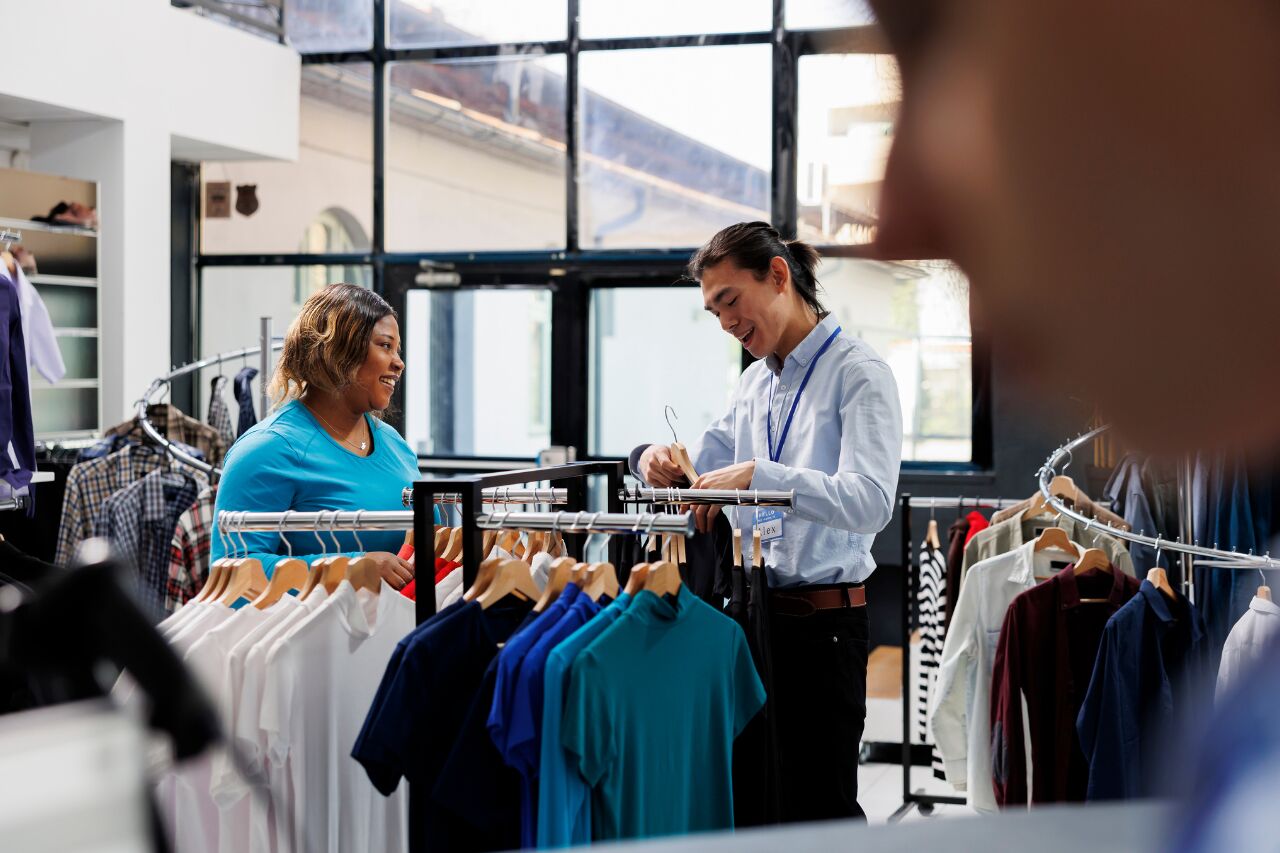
point(931, 597)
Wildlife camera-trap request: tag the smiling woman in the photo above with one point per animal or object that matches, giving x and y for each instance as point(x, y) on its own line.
point(324, 448)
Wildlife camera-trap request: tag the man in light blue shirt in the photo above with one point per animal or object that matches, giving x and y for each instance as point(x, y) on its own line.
point(818, 413)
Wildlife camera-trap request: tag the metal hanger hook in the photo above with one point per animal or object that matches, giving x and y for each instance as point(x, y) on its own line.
point(333, 522)
point(586, 546)
point(244, 546)
point(354, 532)
point(288, 547)
point(668, 413)
point(315, 531)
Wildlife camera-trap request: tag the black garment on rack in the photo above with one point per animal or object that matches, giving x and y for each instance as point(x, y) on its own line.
point(243, 390)
point(38, 535)
point(956, 536)
point(757, 792)
point(15, 396)
point(708, 570)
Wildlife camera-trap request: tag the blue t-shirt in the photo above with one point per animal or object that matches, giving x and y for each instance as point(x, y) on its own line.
point(524, 726)
point(564, 800)
point(653, 707)
point(412, 730)
point(289, 462)
point(510, 660)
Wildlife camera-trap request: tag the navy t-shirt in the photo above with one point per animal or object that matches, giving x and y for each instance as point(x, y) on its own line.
point(425, 704)
point(477, 791)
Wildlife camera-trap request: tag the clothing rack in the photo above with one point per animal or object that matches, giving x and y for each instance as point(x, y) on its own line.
point(499, 495)
point(1212, 557)
point(924, 802)
point(730, 497)
point(471, 489)
point(231, 522)
point(266, 345)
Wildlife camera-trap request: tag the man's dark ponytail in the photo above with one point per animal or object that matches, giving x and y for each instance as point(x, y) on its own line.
point(752, 246)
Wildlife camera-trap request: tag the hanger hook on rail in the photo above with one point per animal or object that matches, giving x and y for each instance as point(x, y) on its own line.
point(668, 413)
point(288, 547)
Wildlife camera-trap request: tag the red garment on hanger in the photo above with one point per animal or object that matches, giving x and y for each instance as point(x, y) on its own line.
point(977, 521)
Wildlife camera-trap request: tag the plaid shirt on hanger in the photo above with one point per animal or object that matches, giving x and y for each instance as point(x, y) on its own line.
point(189, 551)
point(219, 416)
point(139, 521)
point(170, 422)
point(90, 484)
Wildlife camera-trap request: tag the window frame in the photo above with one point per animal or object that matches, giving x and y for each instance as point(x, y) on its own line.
point(572, 272)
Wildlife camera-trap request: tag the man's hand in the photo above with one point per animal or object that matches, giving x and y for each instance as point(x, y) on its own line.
point(734, 477)
point(658, 468)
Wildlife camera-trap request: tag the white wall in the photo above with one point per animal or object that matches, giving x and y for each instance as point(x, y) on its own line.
point(113, 91)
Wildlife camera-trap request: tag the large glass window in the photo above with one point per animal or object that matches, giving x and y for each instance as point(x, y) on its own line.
point(233, 299)
point(478, 376)
point(445, 23)
point(916, 316)
point(848, 105)
point(611, 19)
point(329, 25)
point(653, 347)
point(476, 155)
point(282, 207)
point(825, 14)
point(675, 144)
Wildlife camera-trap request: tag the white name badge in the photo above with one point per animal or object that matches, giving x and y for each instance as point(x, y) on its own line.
point(769, 524)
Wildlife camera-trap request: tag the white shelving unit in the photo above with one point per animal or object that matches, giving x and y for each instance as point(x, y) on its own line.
point(67, 281)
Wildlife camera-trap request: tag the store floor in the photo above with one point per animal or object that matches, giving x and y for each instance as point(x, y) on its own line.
point(880, 785)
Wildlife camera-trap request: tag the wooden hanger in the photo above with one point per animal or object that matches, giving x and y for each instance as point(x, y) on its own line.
point(679, 453)
point(508, 540)
point(1056, 538)
point(1158, 578)
point(442, 540)
point(490, 539)
point(1264, 592)
point(327, 572)
point(580, 572)
point(408, 538)
point(484, 576)
point(664, 579)
point(931, 536)
point(559, 576)
point(453, 553)
point(214, 580)
point(247, 580)
point(638, 579)
point(1093, 559)
point(289, 574)
point(362, 573)
point(513, 578)
point(737, 549)
point(602, 579)
point(1060, 486)
point(757, 555)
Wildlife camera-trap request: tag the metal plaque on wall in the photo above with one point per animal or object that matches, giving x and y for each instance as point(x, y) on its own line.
point(217, 200)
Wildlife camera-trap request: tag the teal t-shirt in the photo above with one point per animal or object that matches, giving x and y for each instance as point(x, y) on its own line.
point(288, 461)
point(653, 707)
point(564, 800)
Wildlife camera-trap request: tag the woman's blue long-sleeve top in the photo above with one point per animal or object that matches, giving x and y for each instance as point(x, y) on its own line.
point(289, 462)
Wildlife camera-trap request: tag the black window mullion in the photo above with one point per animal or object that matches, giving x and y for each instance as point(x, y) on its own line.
point(571, 135)
point(785, 110)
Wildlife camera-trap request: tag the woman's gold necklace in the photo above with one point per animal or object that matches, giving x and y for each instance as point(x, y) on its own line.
point(362, 447)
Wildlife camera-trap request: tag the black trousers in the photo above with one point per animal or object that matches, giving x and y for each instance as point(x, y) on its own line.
point(820, 702)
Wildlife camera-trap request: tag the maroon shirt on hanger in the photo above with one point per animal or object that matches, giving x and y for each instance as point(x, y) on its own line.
point(1046, 652)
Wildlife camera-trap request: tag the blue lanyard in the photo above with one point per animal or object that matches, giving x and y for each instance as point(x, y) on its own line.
point(775, 455)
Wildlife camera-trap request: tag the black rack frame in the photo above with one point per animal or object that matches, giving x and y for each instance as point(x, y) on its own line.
point(472, 491)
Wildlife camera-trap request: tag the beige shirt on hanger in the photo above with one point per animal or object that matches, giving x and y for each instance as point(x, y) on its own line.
point(1007, 535)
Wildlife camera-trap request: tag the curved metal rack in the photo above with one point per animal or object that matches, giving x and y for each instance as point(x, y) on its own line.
point(161, 382)
point(1212, 556)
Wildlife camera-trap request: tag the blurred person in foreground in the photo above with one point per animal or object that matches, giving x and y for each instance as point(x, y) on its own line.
point(1108, 176)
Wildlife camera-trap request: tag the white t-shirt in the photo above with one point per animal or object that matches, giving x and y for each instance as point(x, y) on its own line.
point(319, 684)
point(449, 589)
point(195, 815)
point(266, 834)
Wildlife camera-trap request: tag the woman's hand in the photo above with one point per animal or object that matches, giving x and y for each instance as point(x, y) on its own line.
point(734, 477)
point(658, 468)
point(393, 570)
